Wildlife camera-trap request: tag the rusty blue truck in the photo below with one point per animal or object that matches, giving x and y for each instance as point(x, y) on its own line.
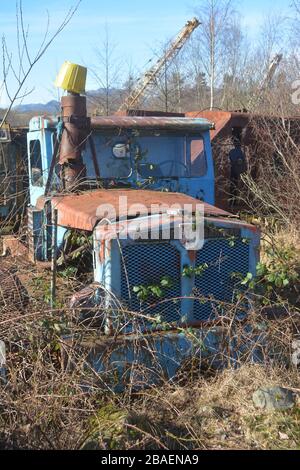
point(165, 261)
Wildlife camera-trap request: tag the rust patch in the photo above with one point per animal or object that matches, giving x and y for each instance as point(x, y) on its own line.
point(192, 256)
point(102, 251)
point(82, 211)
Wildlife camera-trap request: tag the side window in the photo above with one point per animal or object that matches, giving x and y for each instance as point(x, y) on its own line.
point(36, 163)
point(198, 158)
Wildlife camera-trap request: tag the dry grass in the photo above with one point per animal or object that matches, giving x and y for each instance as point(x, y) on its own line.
point(44, 406)
point(218, 412)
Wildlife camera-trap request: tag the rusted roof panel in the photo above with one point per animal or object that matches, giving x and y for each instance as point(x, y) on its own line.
point(147, 112)
point(151, 122)
point(219, 118)
point(84, 211)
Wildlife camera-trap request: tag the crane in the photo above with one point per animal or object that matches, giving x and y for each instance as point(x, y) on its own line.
point(148, 77)
point(267, 80)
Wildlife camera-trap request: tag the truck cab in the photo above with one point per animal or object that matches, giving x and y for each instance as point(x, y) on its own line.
point(171, 154)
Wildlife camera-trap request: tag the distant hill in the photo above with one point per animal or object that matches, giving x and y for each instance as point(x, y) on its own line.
point(95, 100)
point(52, 107)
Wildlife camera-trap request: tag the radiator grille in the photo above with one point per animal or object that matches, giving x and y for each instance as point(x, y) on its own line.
point(217, 282)
point(146, 263)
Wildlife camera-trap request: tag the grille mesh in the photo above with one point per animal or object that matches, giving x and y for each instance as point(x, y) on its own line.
point(146, 264)
point(216, 281)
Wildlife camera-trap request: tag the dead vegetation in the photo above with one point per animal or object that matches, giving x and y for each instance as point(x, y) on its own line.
point(46, 406)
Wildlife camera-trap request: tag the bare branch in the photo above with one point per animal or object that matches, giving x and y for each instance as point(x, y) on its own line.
point(23, 50)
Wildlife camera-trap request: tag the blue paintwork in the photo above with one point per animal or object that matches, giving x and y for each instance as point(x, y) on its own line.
point(4, 211)
point(45, 137)
point(143, 360)
point(156, 149)
point(35, 225)
point(42, 130)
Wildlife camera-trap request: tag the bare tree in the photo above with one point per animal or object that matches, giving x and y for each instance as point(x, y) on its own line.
point(272, 37)
point(159, 91)
point(197, 75)
point(274, 183)
point(216, 17)
point(16, 70)
point(169, 88)
point(130, 79)
point(235, 61)
point(106, 74)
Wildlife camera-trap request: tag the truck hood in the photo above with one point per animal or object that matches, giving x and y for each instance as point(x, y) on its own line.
point(83, 211)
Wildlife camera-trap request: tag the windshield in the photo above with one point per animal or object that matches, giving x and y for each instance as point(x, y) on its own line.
point(114, 161)
point(162, 157)
point(155, 155)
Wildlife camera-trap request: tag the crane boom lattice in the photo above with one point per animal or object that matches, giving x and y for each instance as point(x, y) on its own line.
point(266, 82)
point(151, 74)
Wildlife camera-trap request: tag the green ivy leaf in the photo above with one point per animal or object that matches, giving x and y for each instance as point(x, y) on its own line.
point(136, 289)
point(247, 279)
point(166, 281)
point(157, 291)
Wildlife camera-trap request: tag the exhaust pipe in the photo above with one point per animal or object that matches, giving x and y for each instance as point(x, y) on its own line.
point(76, 125)
point(74, 137)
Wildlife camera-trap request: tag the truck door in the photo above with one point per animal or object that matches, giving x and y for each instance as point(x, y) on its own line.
point(40, 148)
point(199, 155)
point(36, 169)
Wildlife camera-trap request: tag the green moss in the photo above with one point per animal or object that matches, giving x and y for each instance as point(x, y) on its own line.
point(107, 429)
point(277, 430)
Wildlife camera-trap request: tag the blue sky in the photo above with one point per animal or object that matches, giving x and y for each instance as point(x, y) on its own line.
point(136, 27)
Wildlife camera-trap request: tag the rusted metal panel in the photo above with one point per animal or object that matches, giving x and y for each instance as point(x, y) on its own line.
point(225, 122)
point(76, 128)
point(82, 211)
point(13, 173)
point(161, 223)
point(151, 122)
point(220, 119)
point(140, 228)
point(236, 223)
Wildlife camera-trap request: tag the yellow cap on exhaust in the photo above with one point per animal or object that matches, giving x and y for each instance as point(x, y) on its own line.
point(72, 78)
